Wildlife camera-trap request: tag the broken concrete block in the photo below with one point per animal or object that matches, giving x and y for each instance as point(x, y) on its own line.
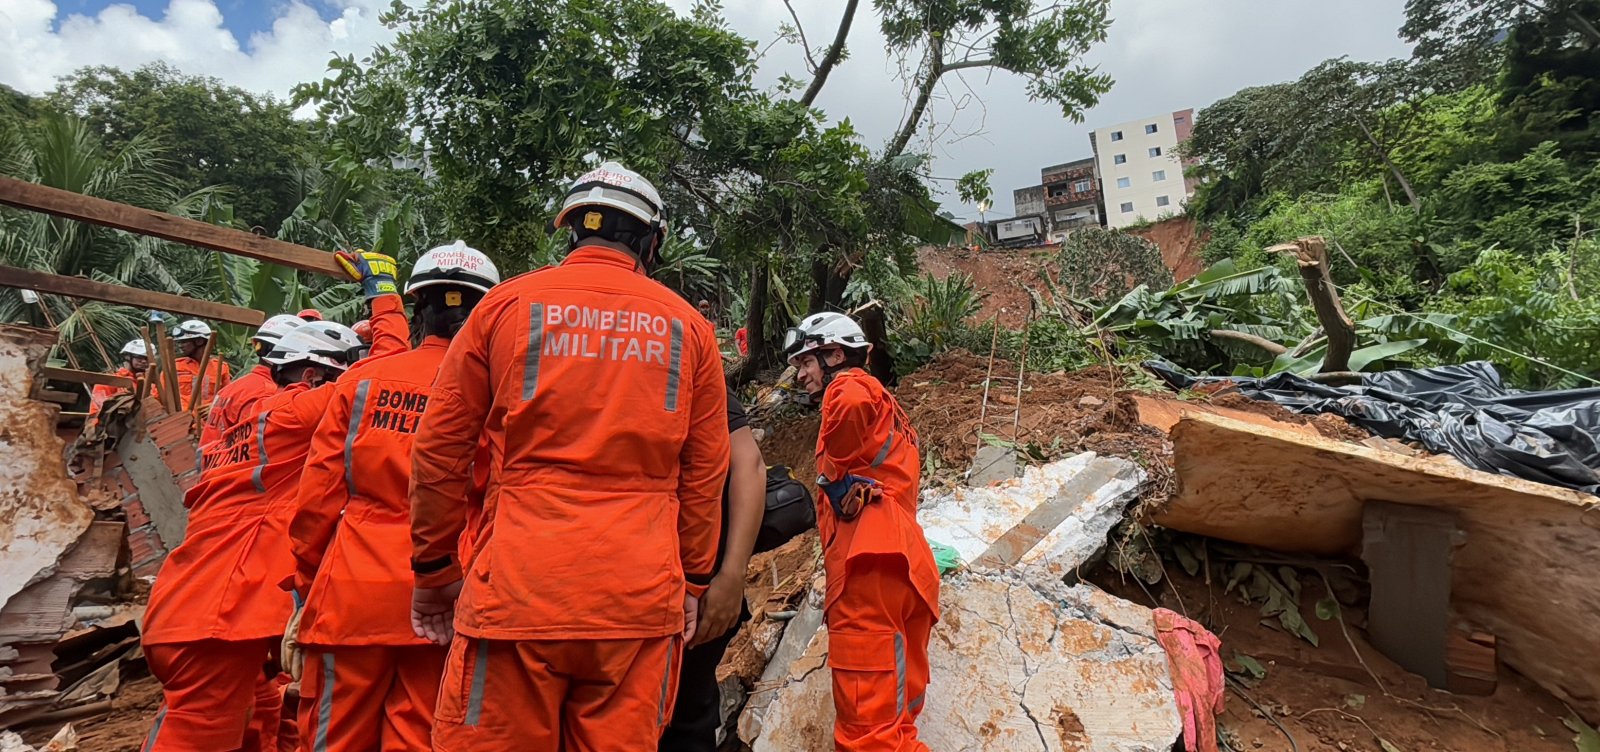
point(992, 464)
point(797, 635)
point(1015, 665)
point(1049, 522)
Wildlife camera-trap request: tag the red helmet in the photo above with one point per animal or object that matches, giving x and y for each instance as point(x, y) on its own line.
point(363, 329)
point(310, 314)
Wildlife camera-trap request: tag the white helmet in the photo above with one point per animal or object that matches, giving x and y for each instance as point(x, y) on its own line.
point(324, 343)
point(617, 187)
point(135, 348)
point(454, 264)
point(822, 330)
point(274, 328)
point(191, 329)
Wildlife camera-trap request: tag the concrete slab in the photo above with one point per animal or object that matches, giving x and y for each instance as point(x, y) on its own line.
point(1014, 666)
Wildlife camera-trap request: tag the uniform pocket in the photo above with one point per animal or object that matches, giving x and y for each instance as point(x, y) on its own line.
point(869, 676)
point(455, 690)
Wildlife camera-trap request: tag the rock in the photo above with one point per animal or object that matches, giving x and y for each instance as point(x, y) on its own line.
point(1049, 522)
point(1089, 400)
point(796, 640)
point(1014, 667)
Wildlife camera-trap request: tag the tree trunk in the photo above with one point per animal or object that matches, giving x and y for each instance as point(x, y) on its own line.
point(835, 53)
point(924, 93)
point(1311, 254)
point(755, 327)
point(1383, 154)
point(819, 285)
point(879, 364)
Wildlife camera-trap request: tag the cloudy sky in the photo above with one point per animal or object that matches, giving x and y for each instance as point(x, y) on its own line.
point(1164, 54)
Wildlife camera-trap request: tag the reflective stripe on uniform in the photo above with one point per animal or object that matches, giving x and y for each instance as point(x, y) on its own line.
point(530, 366)
point(666, 686)
point(675, 366)
point(480, 675)
point(357, 411)
point(899, 674)
point(261, 448)
point(155, 730)
point(324, 705)
point(883, 452)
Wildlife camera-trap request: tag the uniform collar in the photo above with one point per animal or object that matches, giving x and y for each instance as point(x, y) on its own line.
point(262, 369)
point(433, 341)
point(595, 254)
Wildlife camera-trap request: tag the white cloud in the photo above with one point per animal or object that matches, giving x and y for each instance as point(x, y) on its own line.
point(190, 35)
point(1165, 55)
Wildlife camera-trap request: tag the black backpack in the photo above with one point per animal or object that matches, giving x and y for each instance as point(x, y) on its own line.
point(789, 512)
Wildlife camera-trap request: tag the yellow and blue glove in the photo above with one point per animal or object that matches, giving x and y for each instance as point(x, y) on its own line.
point(375, 271)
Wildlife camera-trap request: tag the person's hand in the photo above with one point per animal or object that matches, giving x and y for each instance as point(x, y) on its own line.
point(375, 271)
point(433, 612)
point(691, 617)
point(291, 659)
point(719, 608)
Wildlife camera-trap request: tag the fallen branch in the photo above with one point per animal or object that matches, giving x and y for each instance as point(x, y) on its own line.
point(1311, 254)
point(1337, 378)
point(1268, 345)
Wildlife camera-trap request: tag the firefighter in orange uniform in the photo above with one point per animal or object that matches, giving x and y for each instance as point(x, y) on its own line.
point(135, 361)
point(601, 393)
point(372, 681)
point(882, 596)
point(215, 612)
point(236, 399)
point(190, 337)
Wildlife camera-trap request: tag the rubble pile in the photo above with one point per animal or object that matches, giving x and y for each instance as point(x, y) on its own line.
point(1020, 659)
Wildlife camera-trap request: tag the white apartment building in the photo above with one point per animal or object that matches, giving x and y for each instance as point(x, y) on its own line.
point(1141, 177)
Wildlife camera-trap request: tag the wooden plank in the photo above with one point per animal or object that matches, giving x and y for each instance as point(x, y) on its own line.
point(1525, 573)
point(86, 377)
point(76, 206)
point(78, 287)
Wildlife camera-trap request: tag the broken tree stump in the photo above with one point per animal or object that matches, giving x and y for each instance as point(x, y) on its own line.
point(1311, 254)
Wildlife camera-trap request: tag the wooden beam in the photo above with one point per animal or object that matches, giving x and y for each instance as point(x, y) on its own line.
point(78, 287)
point(76, 206)
point(86, 377)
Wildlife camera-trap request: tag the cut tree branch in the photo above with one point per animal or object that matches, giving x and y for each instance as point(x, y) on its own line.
point(965, 64)
point(1272, 348)
point(1311, 254)
point(835, 53)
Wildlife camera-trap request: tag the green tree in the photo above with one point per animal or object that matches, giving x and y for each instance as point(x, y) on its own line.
point(1444, 28)
point(63, 152)
point(1099, 265)
point(213, 134)
point(1043, 42)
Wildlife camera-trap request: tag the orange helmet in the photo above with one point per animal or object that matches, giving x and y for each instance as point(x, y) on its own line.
point(310, 314)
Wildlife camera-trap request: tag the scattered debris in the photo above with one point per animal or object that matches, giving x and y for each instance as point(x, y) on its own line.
point(1523, 572)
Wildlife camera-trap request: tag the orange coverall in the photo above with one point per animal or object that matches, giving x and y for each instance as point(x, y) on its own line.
point(189, 368)
point(601, 393)
point(235, 400)
point(882, 596)
point(370, 683)
point(216, 611)
point(100, 393)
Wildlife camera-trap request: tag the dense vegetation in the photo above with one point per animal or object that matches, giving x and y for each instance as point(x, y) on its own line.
point(1459, 189)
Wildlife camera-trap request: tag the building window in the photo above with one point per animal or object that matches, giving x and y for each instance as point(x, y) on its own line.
point(1158, 175)
point(1162, 201)
point(1127, 207)
point(1180, 120)
point(1124, 183)
point(1083, 186)
point(1116, 135)
point(1120, 159)
point(1155, 151)
point(1149, 129)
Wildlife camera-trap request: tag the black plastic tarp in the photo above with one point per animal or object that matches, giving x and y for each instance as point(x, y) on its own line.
point(1463, 410)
